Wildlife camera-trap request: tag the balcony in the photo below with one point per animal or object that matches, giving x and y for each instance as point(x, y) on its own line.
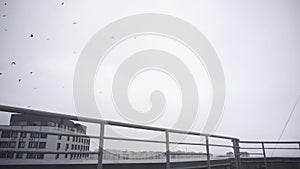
point(243, 154)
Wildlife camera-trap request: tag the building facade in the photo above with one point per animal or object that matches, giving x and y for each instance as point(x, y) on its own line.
point(37, 138)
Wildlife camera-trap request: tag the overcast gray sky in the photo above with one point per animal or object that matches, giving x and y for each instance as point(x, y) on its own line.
point(257, 42)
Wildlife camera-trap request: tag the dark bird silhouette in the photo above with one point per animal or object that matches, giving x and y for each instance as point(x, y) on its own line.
point(0, 74)
point(13, 63)
point(62, 3)
point(31, 72)
point(19, 80)
point(74, 23)
point(31, 35)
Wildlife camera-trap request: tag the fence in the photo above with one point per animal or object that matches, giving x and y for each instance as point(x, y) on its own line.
point(235, 146)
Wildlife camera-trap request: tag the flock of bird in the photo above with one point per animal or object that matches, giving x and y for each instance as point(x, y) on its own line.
point(13, 63)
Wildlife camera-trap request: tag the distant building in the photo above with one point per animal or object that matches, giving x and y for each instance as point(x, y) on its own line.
point(230, 154)
point(13, 137)
point(112, 154)
point(242, 154)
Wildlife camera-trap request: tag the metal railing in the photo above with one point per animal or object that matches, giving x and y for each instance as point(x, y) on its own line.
point(101, 137)
point(262, 147)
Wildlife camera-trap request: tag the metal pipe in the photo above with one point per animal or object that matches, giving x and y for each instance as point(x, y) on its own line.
point(207, 152)
point(12, 109)
point(236, 149)
point(101, 148)
point(264, 153)
point(168, 164)
point(270, 142)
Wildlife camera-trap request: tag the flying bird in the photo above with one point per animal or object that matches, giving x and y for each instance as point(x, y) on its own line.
point(13, 63)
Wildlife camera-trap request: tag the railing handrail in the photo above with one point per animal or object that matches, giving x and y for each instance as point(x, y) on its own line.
point(12, 109)
point(270, 142)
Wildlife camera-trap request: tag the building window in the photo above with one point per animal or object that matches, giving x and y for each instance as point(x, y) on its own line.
point(34, 135)
point(37, 123)
point(66, 155)
point(21, 144)
point(5, 134)
point(43, 135)
point(35, 156)
point(23, 135)
point(23, 123)
point(42, 145)
point(12, 144)
point(58, 146)
point(6, 155)
point(4, 144)
point(67, 147)
point(14, 134)
point(10, 155)
point(19, 155)
point(68, 138)
point(33, 145)
point(31, 155)
point(2, 155)
point(72, 148)
point(57, 156)
point(51, 124)
point(59, 137)
point(40, 156)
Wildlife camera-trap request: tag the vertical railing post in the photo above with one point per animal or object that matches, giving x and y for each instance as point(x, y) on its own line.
point(101, 149)
point(236, 149)
point(265, 156)
point(168, 165)
point(207, 152)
